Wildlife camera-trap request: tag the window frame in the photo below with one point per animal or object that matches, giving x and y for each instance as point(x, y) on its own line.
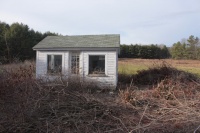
point(61, 65)
point(97, 75)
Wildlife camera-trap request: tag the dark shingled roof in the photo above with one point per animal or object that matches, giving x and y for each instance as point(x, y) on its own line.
point(80, 41)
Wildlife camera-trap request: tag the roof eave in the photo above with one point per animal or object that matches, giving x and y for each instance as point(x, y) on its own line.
point(75, 48)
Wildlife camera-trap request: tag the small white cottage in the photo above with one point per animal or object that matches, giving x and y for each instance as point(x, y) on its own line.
point(92, 57)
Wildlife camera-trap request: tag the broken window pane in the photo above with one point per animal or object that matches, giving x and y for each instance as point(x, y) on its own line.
point(97, 64)
point(54, 63)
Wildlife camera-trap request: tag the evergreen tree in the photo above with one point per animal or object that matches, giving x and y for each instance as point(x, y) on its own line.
point(193, 47)
point(165, 52)
point(17, 40)
point(4, 46)
point(178, 51)
point(144, 51)
point(186, 49)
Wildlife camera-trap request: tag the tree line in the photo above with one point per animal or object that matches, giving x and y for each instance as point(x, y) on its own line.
point(17, 40)
point(144, 51)
point(186, 49)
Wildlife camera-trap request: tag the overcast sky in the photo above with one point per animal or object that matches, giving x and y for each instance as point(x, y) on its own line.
point(137, 21)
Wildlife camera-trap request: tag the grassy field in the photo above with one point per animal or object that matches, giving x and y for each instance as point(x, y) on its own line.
point(131, 66)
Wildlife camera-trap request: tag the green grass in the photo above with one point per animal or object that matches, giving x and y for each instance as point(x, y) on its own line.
point(132, 66)
point(193, 70)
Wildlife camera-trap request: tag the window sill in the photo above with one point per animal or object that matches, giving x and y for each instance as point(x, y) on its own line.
point(54, 74)
point(97, 75)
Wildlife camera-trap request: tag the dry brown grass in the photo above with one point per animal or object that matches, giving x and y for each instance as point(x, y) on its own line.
point(29, 105)
point(150, 62)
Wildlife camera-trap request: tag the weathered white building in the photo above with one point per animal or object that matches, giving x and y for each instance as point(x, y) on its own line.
point(92, 57)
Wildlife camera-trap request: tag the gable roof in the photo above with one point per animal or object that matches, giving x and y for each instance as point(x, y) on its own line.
point(80, 41)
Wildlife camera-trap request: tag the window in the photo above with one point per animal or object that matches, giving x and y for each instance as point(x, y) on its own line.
point(54, 63)
point(75, 63)
point(97, 64)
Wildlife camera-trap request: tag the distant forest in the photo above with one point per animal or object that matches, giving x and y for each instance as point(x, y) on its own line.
point(144, 51)
point(17, 40)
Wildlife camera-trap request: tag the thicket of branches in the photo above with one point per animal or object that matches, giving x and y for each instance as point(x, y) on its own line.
point(17, 40)
point(29, 105)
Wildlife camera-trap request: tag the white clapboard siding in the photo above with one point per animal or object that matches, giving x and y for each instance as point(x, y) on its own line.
point(81, 64)
point(66, 64)
point(111, 65)
point(41, 64)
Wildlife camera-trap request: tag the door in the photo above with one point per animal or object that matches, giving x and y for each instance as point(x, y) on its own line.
point(75, 62)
